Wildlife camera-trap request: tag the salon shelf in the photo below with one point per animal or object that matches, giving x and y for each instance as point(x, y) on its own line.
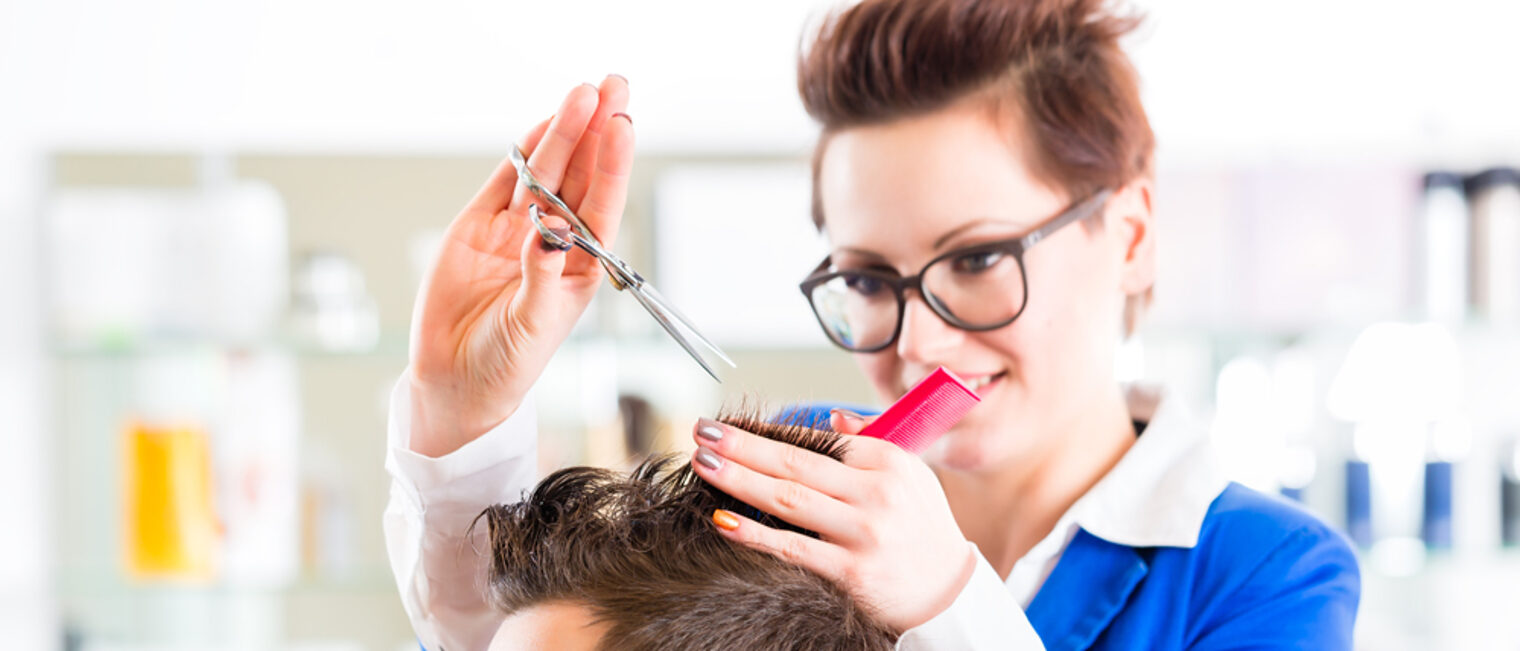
point(386, 348)
point(90, 582)
point(117, 614)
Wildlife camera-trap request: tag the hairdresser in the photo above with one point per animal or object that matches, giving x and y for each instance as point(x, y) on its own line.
point(1065, 511)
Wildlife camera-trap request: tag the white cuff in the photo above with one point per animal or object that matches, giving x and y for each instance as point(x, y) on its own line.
point(418, 474)
point(983, 616)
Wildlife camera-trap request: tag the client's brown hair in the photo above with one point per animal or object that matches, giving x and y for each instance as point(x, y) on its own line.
point(639, 550)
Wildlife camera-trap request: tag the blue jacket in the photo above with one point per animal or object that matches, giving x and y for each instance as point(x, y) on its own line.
point(1264, 575)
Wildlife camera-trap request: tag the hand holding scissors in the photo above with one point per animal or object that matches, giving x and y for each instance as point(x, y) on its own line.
point(620, 273)
point(497, 303)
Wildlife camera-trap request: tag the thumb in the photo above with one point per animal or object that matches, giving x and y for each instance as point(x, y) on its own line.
point(845, 421)
point(542, 265)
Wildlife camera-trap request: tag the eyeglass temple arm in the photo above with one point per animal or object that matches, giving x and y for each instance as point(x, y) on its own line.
point(1077, 212)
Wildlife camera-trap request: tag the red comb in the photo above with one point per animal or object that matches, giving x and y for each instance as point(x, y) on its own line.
point(924, 413)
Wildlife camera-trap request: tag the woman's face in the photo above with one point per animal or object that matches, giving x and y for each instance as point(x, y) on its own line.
point(899, 194)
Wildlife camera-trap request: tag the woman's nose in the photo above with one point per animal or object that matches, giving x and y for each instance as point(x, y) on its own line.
point(924, 337)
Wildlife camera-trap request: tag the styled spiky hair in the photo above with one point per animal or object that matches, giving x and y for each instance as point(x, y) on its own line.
point(639, 550)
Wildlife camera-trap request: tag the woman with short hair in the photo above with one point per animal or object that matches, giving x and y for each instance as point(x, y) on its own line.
point(984, 181)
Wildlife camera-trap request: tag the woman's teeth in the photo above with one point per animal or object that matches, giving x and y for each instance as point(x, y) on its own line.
point(979, 382)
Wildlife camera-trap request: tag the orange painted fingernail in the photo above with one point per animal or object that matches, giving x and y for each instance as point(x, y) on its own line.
point(725, 520)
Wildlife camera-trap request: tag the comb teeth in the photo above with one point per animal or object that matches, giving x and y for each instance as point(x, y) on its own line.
point(924, 413)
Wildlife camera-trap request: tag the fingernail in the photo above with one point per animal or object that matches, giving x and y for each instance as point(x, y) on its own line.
point(589, 85)
point(847, 414)
point(624, 116)
point(709, 429)
point(625, 79)
point(725, 520)
point(563, 233)
point(707, 458)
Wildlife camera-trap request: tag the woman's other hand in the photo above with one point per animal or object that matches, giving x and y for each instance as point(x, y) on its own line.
point(886, 531)
point(496, 304)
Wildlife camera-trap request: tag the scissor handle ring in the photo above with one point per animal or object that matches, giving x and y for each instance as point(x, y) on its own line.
point(618, 272)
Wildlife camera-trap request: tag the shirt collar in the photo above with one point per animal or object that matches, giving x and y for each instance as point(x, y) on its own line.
point(1160, 491)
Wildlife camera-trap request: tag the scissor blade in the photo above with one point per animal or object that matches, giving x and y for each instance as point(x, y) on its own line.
point(659, 299)
point(658, 312)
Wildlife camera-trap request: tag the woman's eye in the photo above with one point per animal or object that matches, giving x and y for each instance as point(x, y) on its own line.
point(863, 285)
point(975, 262)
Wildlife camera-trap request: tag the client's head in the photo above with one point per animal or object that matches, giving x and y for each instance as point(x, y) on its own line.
point(595, 559)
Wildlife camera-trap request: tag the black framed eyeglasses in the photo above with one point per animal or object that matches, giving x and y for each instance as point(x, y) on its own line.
point(977, 288)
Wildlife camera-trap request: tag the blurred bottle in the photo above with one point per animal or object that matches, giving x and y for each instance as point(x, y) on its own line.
point(1495, 197)
point(243, 277)
point(1444, 222)
point(639, 427)
point(1359, 502)
point(129, 265)
point(171, 527)
point(256, 437)
point(332, 309)
point(1447, 465)
point(327, 519)
point(1509, 496)
point(1435, 525)
point(1298, 469)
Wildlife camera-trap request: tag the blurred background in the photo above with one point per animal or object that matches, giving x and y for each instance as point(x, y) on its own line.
point(214, 216)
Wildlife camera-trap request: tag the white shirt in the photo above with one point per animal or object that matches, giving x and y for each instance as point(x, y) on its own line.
point(1156, 496)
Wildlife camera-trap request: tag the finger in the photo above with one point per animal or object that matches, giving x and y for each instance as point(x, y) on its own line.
point(542, 265)
point(781, 460)
point(871, 454)
point(826, 559)
point(602, 207)
point(845, 421)
point(494, 195)
point(785, 499)
point(548, 161)
point(612, 98)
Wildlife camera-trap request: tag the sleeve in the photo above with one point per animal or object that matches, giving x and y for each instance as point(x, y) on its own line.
point(1302, 595)
point(433, 503)
point(983, 616)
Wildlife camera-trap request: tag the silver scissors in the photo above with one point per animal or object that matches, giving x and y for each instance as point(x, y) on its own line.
point(619, 273)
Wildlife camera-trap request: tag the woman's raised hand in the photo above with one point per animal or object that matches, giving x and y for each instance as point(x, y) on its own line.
point(885, 529)
point(496, 303)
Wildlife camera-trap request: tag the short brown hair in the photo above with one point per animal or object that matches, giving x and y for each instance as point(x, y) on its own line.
point(640, 552)
point(1056, 63)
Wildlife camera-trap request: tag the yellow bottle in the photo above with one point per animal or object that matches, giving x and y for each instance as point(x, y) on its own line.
point(171, 530)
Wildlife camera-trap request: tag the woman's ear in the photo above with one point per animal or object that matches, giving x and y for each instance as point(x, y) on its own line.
point(1133, 222)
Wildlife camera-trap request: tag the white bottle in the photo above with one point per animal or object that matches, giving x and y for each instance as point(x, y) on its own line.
point(1495, 197)
point(1443, 223)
